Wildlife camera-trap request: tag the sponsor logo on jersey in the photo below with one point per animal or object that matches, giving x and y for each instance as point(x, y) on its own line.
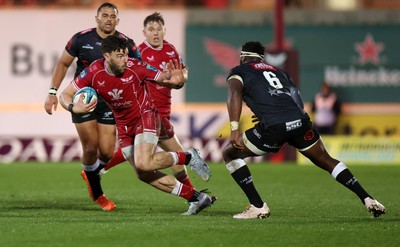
point(170, 53)
point(255, 132)
point(98, 43)
point(148, 66)
point(277, 92)
point(107, 115)
point(293, 125)
point(150, 59)
point(83, 73)
point(127, 80)
point(263, 66)
point(116, 94)
point(275, 146)
point(87, 46)
point(125, 104)
point(101, 83)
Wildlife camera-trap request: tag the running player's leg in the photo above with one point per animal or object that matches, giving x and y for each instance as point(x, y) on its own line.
point(87, 128)
point(144, 158)
point(311, 145)
point(237, 167)
point(88, 135)
point(107, 142)
point(179, 172)
point(107, 132)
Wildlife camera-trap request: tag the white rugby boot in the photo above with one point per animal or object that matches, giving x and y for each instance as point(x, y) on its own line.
point(204, 202)
point(374, 207)
point(252, 212)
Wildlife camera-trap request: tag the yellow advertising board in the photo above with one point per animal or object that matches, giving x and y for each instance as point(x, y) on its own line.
point(361, 150)
point(369, 124)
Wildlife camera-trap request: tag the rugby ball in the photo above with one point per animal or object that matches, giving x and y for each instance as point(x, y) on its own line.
point(89, 95)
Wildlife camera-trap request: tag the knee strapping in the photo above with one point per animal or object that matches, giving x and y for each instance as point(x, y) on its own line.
point(235, 165)
point(338, 169)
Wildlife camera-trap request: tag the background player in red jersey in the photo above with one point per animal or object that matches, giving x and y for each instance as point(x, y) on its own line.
point(96, 129)
point(121, 82)
point(272, 96)
point(157, 52)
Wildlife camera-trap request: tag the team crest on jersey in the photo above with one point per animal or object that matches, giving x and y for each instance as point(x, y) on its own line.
point(126, 80)
point(83, 73)
point(116, 94)
point(163, 65)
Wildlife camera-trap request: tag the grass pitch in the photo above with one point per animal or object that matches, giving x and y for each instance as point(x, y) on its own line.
point(48, 205)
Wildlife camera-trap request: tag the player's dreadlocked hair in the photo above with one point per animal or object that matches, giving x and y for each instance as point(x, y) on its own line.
point(113, 43)
point(155, 17)
point(107, 5)
point(253, 49)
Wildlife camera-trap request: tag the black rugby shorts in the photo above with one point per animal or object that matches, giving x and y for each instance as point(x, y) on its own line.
point(102, 113)
point(298, 133)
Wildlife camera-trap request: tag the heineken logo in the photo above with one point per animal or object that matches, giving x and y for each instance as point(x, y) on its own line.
point(367, 70)
point(369, 50)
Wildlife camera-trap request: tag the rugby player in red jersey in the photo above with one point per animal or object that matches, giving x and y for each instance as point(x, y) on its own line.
point(156, 51)
point(120, 81)
point(96, 129)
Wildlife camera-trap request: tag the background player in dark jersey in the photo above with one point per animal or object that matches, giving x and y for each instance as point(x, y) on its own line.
point(157, 52)
point(121, 82)
point(96, 129)
point(272, 97)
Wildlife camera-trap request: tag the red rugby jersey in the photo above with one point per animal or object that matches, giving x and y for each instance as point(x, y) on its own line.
point(126, 95)
point(159, 57)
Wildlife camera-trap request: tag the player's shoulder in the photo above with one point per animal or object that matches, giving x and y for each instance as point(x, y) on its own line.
point(236, 69)
point(167, 45)
point(123, 36)
point(139, 65)
point(132, 62)
point(96, 65)
point(86, 32)
point(142, 46)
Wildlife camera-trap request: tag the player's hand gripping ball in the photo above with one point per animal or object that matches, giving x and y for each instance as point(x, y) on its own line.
point(89, 95)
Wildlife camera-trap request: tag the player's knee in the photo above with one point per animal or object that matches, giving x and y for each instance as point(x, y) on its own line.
point(106, 156)
point(90, 150)
point(143, 165)
point(228, 153)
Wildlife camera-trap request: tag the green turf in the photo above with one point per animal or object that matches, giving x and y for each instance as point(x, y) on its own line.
point(48, 205)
